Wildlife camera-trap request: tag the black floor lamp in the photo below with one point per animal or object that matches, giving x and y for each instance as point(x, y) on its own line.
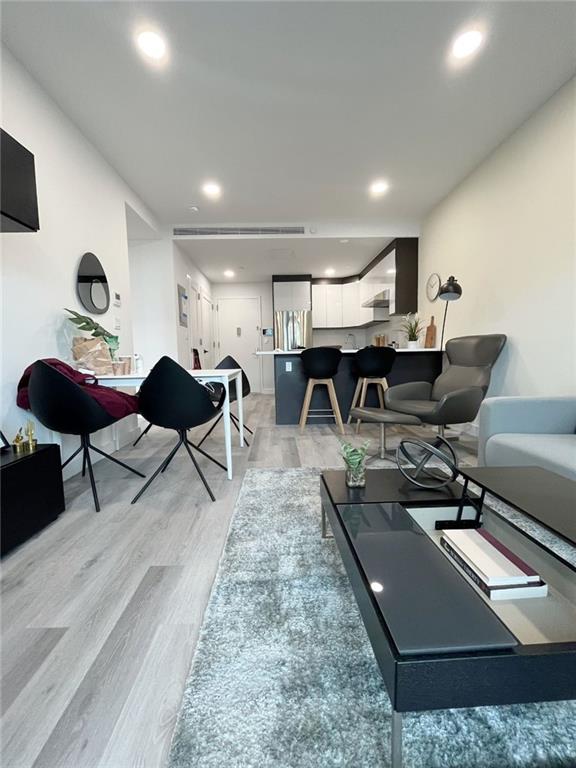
point(449, 291)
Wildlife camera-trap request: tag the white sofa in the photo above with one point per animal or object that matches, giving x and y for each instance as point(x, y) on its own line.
point(529, 431)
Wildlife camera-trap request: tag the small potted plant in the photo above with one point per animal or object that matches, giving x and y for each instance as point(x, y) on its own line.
point(355, 460)
point(412, 327)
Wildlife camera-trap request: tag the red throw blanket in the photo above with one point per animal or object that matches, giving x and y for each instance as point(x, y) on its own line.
point(117, 404)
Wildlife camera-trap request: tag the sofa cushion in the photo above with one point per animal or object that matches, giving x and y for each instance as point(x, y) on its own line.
point(554, 452)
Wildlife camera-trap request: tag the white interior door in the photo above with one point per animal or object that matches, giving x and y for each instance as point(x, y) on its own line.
point(206, 335)
point(239, 335)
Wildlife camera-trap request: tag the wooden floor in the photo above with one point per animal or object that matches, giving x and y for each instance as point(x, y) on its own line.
point(101, 612)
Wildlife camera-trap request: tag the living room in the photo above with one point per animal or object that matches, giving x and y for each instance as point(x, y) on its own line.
point(361, 324)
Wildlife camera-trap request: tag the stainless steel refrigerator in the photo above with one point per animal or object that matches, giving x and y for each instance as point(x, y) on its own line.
point(293, 329)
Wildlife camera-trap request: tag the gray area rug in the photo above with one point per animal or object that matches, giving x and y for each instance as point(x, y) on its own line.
point(284, 675)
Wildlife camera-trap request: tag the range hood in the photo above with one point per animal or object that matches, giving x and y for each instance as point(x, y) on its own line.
point(380, 300)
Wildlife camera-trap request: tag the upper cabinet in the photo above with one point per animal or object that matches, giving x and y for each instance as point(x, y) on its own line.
point(388, 286)
point(393, 280)
point(291, 294)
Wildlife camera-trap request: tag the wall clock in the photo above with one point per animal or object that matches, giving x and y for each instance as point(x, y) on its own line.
point(433, 286)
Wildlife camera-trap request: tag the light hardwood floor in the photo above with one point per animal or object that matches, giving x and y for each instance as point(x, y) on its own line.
point(101, 612)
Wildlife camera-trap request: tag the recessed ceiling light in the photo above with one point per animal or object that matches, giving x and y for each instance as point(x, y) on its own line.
point(212, 190)
point(193, 208)
point(330, 271)
point(376, 586)
point(229, 273)
point(467, 43)
point(379, 188)
point(151, 44)
point(344, 241)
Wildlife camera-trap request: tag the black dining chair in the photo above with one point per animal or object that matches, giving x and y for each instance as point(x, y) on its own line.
point(230, 362)
point(320, 365)
point(170, 398)
point(63, 406)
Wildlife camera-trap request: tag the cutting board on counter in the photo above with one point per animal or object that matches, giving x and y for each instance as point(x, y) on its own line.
point(430, 339)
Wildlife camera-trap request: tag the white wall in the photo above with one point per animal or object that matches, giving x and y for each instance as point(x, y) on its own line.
point(82, 208)
point(262, 291)
point(152, 284)
point(331, 336)
point(508, 234)
point(157, 267)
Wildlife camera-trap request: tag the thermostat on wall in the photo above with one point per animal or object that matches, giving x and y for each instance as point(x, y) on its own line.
point(117, 302)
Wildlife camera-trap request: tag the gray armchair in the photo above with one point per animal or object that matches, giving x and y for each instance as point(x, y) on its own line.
point(456, 395)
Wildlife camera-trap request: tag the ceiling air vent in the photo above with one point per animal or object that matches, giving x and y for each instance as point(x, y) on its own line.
point(214, 231)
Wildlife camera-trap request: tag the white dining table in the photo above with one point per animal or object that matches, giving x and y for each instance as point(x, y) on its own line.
point(224, 376)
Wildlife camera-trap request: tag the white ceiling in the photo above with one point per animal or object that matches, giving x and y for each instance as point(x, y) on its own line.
point(255, 259)
point(294, 107)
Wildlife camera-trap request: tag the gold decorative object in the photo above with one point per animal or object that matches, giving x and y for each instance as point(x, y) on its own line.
point(18, 442)
point(32, 442)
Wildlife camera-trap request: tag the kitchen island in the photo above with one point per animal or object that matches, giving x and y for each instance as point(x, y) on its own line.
point(290, 382)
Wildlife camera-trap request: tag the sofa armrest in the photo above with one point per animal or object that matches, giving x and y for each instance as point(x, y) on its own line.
point(525, 415)
point(413, 390)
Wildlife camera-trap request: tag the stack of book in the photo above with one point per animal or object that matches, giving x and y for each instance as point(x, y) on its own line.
point(497, 571)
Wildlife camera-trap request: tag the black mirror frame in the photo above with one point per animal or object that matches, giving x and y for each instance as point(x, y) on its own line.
point(89, 270)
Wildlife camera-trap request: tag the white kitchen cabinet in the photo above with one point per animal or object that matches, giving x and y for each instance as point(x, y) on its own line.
point(353, 313)
point(300, 294)
point(319, 305)
point(282, 296)
point(291, 295)
point(334, 305)
point(350, 304)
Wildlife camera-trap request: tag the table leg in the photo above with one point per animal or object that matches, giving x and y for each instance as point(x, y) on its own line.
point(240, 407)
point(396, 746)
point(227, 430)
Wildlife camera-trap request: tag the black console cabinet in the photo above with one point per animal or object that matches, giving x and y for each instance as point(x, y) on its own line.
point(31, 491)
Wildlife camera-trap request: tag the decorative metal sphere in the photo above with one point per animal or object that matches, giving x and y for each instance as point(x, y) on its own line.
point(414, 459)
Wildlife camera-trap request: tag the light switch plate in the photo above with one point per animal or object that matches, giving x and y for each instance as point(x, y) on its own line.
point(288, 367)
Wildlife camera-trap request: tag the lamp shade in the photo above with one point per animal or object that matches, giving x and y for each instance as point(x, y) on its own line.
point(450, 290)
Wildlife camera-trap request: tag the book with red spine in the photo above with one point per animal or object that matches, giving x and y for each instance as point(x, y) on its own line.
point(494, 563)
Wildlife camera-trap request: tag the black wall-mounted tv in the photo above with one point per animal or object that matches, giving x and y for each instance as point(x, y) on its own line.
point(18, 199)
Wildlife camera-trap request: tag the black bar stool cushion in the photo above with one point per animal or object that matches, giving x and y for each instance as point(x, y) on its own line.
point(374, 362)
point(320, 362)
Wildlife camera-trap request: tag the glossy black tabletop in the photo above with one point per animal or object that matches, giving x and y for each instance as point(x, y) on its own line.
point(428, 607)
point(546, 497)
point(387, 485)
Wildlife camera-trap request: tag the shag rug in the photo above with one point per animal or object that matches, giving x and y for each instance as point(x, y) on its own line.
point(284, 676)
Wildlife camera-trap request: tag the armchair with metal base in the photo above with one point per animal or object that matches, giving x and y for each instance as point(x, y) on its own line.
point(171, 398)
point(229, 362)
point(455, 396)
point(62, 406)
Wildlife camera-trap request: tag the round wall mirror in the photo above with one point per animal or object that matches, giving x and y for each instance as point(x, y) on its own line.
point(92, 285)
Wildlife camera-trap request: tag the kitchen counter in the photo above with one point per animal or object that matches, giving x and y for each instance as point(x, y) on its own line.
point(344, 351)
point(290, 383)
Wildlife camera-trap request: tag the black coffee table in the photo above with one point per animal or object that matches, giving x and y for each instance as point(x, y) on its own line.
point(439, 642)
